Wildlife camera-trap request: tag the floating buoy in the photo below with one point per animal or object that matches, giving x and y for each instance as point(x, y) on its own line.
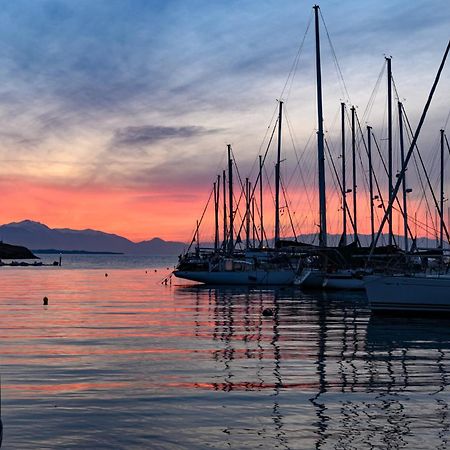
point(106, 274)
point(156, 270)
point(267, 312)
point(45, 301)
point(145, 271)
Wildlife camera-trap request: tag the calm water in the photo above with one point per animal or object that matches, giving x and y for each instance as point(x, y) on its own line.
point(125, 362)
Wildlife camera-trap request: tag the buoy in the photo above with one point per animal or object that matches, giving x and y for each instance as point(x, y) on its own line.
point(45, 301)
point(106, 274)
point(145, 271)
point(267, 312)
point(156, 270)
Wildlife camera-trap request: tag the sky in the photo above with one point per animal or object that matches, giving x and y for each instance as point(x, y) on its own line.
point(115, 114)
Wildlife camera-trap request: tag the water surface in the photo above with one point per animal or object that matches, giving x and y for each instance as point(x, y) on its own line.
point(123, 361)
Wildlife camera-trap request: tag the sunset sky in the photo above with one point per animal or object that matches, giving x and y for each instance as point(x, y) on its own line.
point(115, 114)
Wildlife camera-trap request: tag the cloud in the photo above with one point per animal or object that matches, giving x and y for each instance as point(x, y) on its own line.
point(138, 136)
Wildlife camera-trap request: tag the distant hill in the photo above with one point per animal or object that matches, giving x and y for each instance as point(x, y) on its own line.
point(8, 251)
point(35, 235)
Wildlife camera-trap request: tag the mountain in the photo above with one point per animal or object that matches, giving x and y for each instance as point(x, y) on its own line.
point(37, 235)
point(8, 251)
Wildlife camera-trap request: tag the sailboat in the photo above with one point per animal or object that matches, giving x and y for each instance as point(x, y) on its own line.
point(225, 265)
point(413, 292)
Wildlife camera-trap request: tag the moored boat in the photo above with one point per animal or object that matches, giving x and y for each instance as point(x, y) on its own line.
point(409, 293)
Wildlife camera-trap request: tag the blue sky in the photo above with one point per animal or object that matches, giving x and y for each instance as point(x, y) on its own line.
point(146, 94)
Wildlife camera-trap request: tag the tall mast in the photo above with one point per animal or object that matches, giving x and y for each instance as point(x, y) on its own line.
point(225, 230)
point(277, 178)
point(320, 146)
point(230, 200)
point(402, 157)
point(247, 213)
point(389, 112)
point(344, 186)
point(441, 231)
point(355, 221)
point(261, 201)
point(369, 153)
point(216, 213)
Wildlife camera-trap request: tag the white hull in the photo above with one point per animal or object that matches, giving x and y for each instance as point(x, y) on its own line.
point(248, 277)
point(409, 293)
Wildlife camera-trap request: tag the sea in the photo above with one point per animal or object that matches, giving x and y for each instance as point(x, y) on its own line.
point(126, 357)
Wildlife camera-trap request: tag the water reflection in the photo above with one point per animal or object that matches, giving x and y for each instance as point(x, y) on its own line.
point(371, 382)
point(125, 362)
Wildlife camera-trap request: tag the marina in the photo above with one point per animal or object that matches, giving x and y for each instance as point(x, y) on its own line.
point(177, 272)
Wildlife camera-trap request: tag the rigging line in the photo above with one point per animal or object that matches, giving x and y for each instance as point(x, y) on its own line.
point(335, 60)
point(336, 177)
point(446, 120)
point(377, 184)
point(201, 219)
point(374, 93)
point(294, 66)
point(374, 175)
point(298, 160)
point(288, 210)
point(424, 194)
point(265, 156)
point(436, 204)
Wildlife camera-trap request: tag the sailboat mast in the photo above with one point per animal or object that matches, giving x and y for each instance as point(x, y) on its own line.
point(389, 112)
point(230, 200)
point(344, 185)
point(247, 213)
point(355, 221)
point(402, 157)
point(320, 143)
point(261, 242)
point(277, 177)
point(369, 153)
point(441, 231)
point(216, 214)
point(224, 189)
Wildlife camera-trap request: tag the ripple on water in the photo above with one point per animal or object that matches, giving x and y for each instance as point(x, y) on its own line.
point(125, 362)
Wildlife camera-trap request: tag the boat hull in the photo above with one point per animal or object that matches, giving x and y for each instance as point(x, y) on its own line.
point(343, 283)
point(318, 279)
point(250, 277)
point(410, 294)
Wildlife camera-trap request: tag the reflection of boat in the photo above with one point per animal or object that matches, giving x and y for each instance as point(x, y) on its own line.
point(420, 293)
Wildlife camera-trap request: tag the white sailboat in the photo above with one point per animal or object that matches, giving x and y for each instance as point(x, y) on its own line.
point(413, 293)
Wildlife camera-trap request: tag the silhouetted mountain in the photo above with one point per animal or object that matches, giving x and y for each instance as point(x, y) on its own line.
point(36, 235)
point(8, 251)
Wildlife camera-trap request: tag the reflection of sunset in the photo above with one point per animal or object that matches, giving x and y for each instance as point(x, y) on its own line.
point(129, 355)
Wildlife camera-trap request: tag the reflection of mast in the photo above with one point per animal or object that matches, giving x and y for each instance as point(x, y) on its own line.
point(276, 415)
point(320, 362)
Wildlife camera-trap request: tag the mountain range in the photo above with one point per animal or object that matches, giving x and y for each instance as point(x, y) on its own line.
point(38, 236)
